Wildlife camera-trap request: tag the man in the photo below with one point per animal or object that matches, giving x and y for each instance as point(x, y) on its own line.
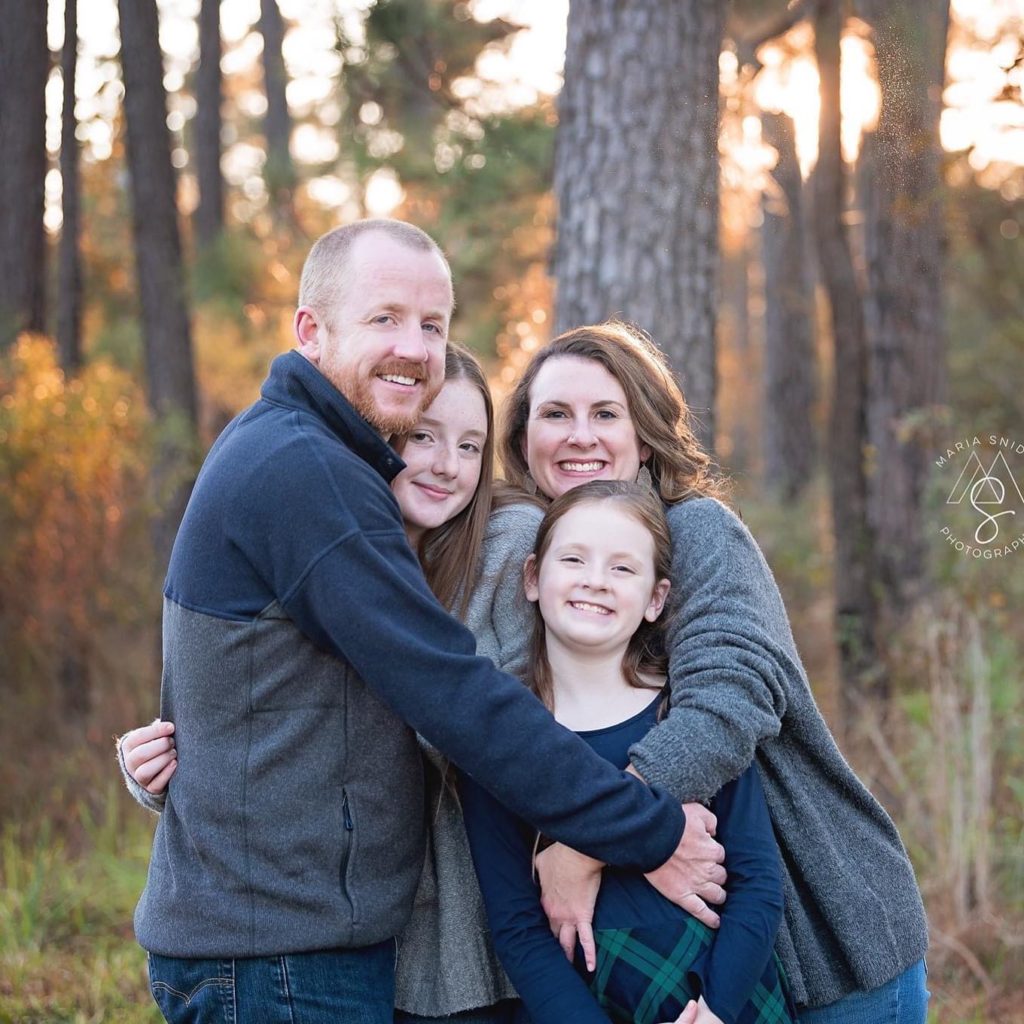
point(299, 637)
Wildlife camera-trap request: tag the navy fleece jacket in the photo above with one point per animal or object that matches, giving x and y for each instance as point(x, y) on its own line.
point(301, 642)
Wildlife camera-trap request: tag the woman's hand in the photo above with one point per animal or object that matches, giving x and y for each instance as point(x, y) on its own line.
point(150, 756)
point(696, 1012)
point(569, 883)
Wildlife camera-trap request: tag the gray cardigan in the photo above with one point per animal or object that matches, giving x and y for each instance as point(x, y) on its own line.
point(446, 963)
point(854, 917)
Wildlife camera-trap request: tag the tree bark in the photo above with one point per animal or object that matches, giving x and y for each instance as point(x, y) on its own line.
point(789, 364)
point(854, 597)
point(69, 263)
point(166, 332)
point(24, 68)
point(901, 182)
point(636, 178)
point(209, 215)
point(279, 171)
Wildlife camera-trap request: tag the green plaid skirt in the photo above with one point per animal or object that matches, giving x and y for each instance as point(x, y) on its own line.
point(642, 976)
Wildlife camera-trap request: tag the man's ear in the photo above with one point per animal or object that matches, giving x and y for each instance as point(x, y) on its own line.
point(530, 579)
point(658, 597)
point(308, 330)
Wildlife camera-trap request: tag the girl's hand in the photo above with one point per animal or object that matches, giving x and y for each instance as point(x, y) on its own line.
point(150, 756)
point(704, 1014)
point(696, 1012)
point(569, 882)
point(688, 1016)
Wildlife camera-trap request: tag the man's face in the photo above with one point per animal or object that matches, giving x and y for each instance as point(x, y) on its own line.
point(385, 347)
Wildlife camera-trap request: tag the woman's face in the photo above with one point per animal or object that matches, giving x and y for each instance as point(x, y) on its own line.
point(443, 459)
point(579, 427)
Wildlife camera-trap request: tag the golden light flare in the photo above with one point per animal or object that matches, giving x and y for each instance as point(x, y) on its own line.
point(788, 83)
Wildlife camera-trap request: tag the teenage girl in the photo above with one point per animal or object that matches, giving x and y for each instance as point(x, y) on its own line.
point(598, 576)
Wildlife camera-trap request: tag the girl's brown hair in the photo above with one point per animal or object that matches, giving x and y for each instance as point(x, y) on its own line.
point(645, 652)
point(450, 553)
point(679, 466)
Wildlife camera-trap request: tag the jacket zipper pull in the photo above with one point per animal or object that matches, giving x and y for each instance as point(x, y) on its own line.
point(346, 814)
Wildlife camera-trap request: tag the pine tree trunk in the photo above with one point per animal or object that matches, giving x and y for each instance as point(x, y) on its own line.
point(279, 172)
point(69, 263)
point(636, 178)
point(165, 322)
point(901, 181)
point(24, 68)
point(855, 607)
point(789, 365)
point(209, 215)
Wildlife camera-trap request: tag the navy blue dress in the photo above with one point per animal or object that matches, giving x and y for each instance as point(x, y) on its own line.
point(653, 957)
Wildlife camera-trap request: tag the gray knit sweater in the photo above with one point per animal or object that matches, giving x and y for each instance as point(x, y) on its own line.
point(854, 917)
point(446, 963)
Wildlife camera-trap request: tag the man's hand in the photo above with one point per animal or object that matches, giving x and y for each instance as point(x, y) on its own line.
point(150, 756)
point(693, 876)
point(569, 882)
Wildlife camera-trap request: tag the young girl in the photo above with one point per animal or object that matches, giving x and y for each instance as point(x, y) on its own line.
point(599, 577)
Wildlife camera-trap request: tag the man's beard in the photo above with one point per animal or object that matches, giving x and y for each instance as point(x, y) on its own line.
point(359, 391)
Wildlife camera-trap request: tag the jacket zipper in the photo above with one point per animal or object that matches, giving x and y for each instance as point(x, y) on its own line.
point(345, 812)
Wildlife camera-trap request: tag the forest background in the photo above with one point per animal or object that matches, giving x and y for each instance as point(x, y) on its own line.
point(815, 209)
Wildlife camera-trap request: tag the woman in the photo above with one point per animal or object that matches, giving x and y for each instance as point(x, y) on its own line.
point(472, 559)
point(601, 402)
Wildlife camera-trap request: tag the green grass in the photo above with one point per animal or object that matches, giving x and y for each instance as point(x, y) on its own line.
point(67, 953)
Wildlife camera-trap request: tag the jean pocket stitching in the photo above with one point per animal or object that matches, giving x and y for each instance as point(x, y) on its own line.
point(191, 995)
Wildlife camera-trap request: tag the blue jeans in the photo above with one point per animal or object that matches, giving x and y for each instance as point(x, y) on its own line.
point(904, 1000)
point(352, 985)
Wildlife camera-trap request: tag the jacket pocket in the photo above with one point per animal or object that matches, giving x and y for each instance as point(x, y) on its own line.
point(345, 868)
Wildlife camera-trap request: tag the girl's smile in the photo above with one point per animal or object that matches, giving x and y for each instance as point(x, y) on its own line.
point(596, 582)
point(442, 456)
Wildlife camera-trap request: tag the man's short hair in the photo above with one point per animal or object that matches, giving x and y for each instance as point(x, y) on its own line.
point(324, 272)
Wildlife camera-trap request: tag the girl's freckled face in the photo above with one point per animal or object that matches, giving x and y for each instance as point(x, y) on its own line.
point(443, 459)
point(579, 427)
point(595, 583)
